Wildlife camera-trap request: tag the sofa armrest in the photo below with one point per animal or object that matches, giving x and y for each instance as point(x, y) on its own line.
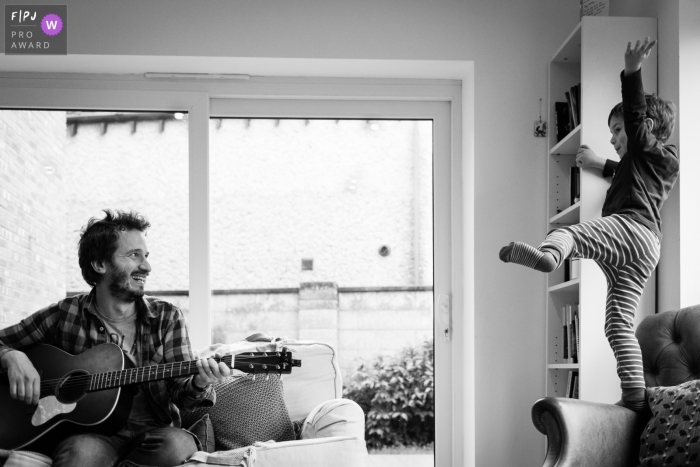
point(585, 433)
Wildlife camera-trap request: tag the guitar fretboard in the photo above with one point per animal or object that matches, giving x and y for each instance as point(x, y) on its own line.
point(115, 379)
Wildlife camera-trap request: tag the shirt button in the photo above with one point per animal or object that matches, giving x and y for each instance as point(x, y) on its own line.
point(101, 329)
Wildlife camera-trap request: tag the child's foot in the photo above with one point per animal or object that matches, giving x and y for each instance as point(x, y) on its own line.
point(505, 253)
point(634, 399)
point(526, 255)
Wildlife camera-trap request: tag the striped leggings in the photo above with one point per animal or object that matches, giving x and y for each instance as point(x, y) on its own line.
point(627, 252)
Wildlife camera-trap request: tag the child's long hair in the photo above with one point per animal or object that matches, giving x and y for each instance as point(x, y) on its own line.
point(662, 113)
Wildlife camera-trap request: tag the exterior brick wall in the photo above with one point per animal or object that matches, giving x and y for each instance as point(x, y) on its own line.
point(32, 212)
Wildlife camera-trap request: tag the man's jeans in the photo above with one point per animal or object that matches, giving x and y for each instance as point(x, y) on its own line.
point(136, 444)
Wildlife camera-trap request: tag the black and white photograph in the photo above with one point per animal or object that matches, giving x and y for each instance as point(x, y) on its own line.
point(315, 233)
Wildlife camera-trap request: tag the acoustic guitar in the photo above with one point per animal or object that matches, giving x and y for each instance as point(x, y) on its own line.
point(90, 391)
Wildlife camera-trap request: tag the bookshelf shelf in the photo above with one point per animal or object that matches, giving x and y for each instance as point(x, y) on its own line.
point(570, 215)
point(565, 287)
point(564, 366)
point(569, 144)
point(570, 50)
point(585, 66)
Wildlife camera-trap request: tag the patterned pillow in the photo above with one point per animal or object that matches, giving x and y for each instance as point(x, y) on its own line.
point(247, 410)
point(672, 434)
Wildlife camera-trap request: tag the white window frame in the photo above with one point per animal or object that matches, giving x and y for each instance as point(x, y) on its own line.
point(455, 400)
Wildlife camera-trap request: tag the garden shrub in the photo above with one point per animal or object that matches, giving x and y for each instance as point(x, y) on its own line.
point(397, 395)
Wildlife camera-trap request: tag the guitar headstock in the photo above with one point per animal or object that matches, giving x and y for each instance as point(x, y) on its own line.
point(266, 362)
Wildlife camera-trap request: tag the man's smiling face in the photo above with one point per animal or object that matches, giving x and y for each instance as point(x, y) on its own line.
point(128, 268)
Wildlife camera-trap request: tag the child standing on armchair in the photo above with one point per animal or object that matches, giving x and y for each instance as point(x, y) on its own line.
point(625, 241)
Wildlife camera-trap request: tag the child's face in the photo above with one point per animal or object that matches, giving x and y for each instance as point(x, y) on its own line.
point(619, 137)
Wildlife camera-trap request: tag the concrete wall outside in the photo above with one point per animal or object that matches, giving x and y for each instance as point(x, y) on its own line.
point(369, 323)
point(281, 191)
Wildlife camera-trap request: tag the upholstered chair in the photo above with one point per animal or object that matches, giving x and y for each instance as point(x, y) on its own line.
point(581, 433)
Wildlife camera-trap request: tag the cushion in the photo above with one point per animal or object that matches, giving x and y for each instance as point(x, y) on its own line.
point(671, 436)
point(337, 417)
point(204, 431)
point(247, 410)
point(317, 380)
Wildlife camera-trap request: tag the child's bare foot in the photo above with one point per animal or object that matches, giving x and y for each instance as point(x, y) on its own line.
point(527, 255)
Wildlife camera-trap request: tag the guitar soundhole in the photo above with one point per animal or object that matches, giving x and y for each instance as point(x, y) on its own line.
point(73, 386)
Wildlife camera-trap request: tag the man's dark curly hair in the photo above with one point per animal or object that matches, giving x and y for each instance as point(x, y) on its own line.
point(663, 114)
point(100, 237)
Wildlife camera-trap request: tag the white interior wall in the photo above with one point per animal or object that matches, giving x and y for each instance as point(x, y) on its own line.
point(509, 43)
point(689, 95)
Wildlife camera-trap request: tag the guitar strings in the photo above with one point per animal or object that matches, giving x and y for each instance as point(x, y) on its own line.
point(84, 380)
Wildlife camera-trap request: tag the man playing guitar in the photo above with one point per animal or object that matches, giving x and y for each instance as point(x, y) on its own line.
point(113, 258)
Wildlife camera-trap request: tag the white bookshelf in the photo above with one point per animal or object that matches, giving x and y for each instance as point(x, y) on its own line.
point(592, 56)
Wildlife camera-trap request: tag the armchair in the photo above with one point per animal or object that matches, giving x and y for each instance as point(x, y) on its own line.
point(584, 433)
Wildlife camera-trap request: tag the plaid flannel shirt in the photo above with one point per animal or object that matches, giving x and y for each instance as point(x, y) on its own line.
point(74, 326)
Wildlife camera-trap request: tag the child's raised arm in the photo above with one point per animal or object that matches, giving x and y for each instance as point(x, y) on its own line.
point(635, 57)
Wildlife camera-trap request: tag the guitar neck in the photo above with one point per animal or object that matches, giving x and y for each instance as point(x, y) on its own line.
point(144, 374)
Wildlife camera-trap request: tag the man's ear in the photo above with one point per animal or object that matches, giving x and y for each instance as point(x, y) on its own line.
point(98, 266)
point(649, 124)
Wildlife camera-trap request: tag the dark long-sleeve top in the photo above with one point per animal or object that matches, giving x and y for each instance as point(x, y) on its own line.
point(645, 175)
point(74, 326)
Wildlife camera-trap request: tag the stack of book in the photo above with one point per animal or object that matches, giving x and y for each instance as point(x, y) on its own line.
point(574, 185)
point(572, 341)
point(568, 114)
point(572, 385)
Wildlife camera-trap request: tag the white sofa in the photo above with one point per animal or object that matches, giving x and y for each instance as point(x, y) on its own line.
point(333, 429)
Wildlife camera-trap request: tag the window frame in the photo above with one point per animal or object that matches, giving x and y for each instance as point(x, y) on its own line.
point(51, 91)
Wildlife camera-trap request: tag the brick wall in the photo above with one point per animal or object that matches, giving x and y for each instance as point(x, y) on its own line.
point(32, 212)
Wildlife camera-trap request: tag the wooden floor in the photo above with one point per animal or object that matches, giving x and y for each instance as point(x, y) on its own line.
point(401, 460)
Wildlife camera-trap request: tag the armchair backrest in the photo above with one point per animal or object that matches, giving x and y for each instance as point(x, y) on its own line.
point(670, 343)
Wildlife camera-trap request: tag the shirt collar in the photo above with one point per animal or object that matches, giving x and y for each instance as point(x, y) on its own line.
point(144, 308)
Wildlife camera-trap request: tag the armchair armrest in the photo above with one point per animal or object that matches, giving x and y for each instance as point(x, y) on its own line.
point(585, 433)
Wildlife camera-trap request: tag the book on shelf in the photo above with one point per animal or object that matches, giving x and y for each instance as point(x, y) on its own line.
point(565, 333)
point(575, 101)
point(572, 384)
point(572, 115)
point(561, 117)
point(572, 335)
point(577, 328)
point(574, 185)
point(569, 357)
point(567, 269)
point(575, 271)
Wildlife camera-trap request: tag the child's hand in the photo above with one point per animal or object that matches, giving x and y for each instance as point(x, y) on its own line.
point(586, 158)
point(635, 57)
